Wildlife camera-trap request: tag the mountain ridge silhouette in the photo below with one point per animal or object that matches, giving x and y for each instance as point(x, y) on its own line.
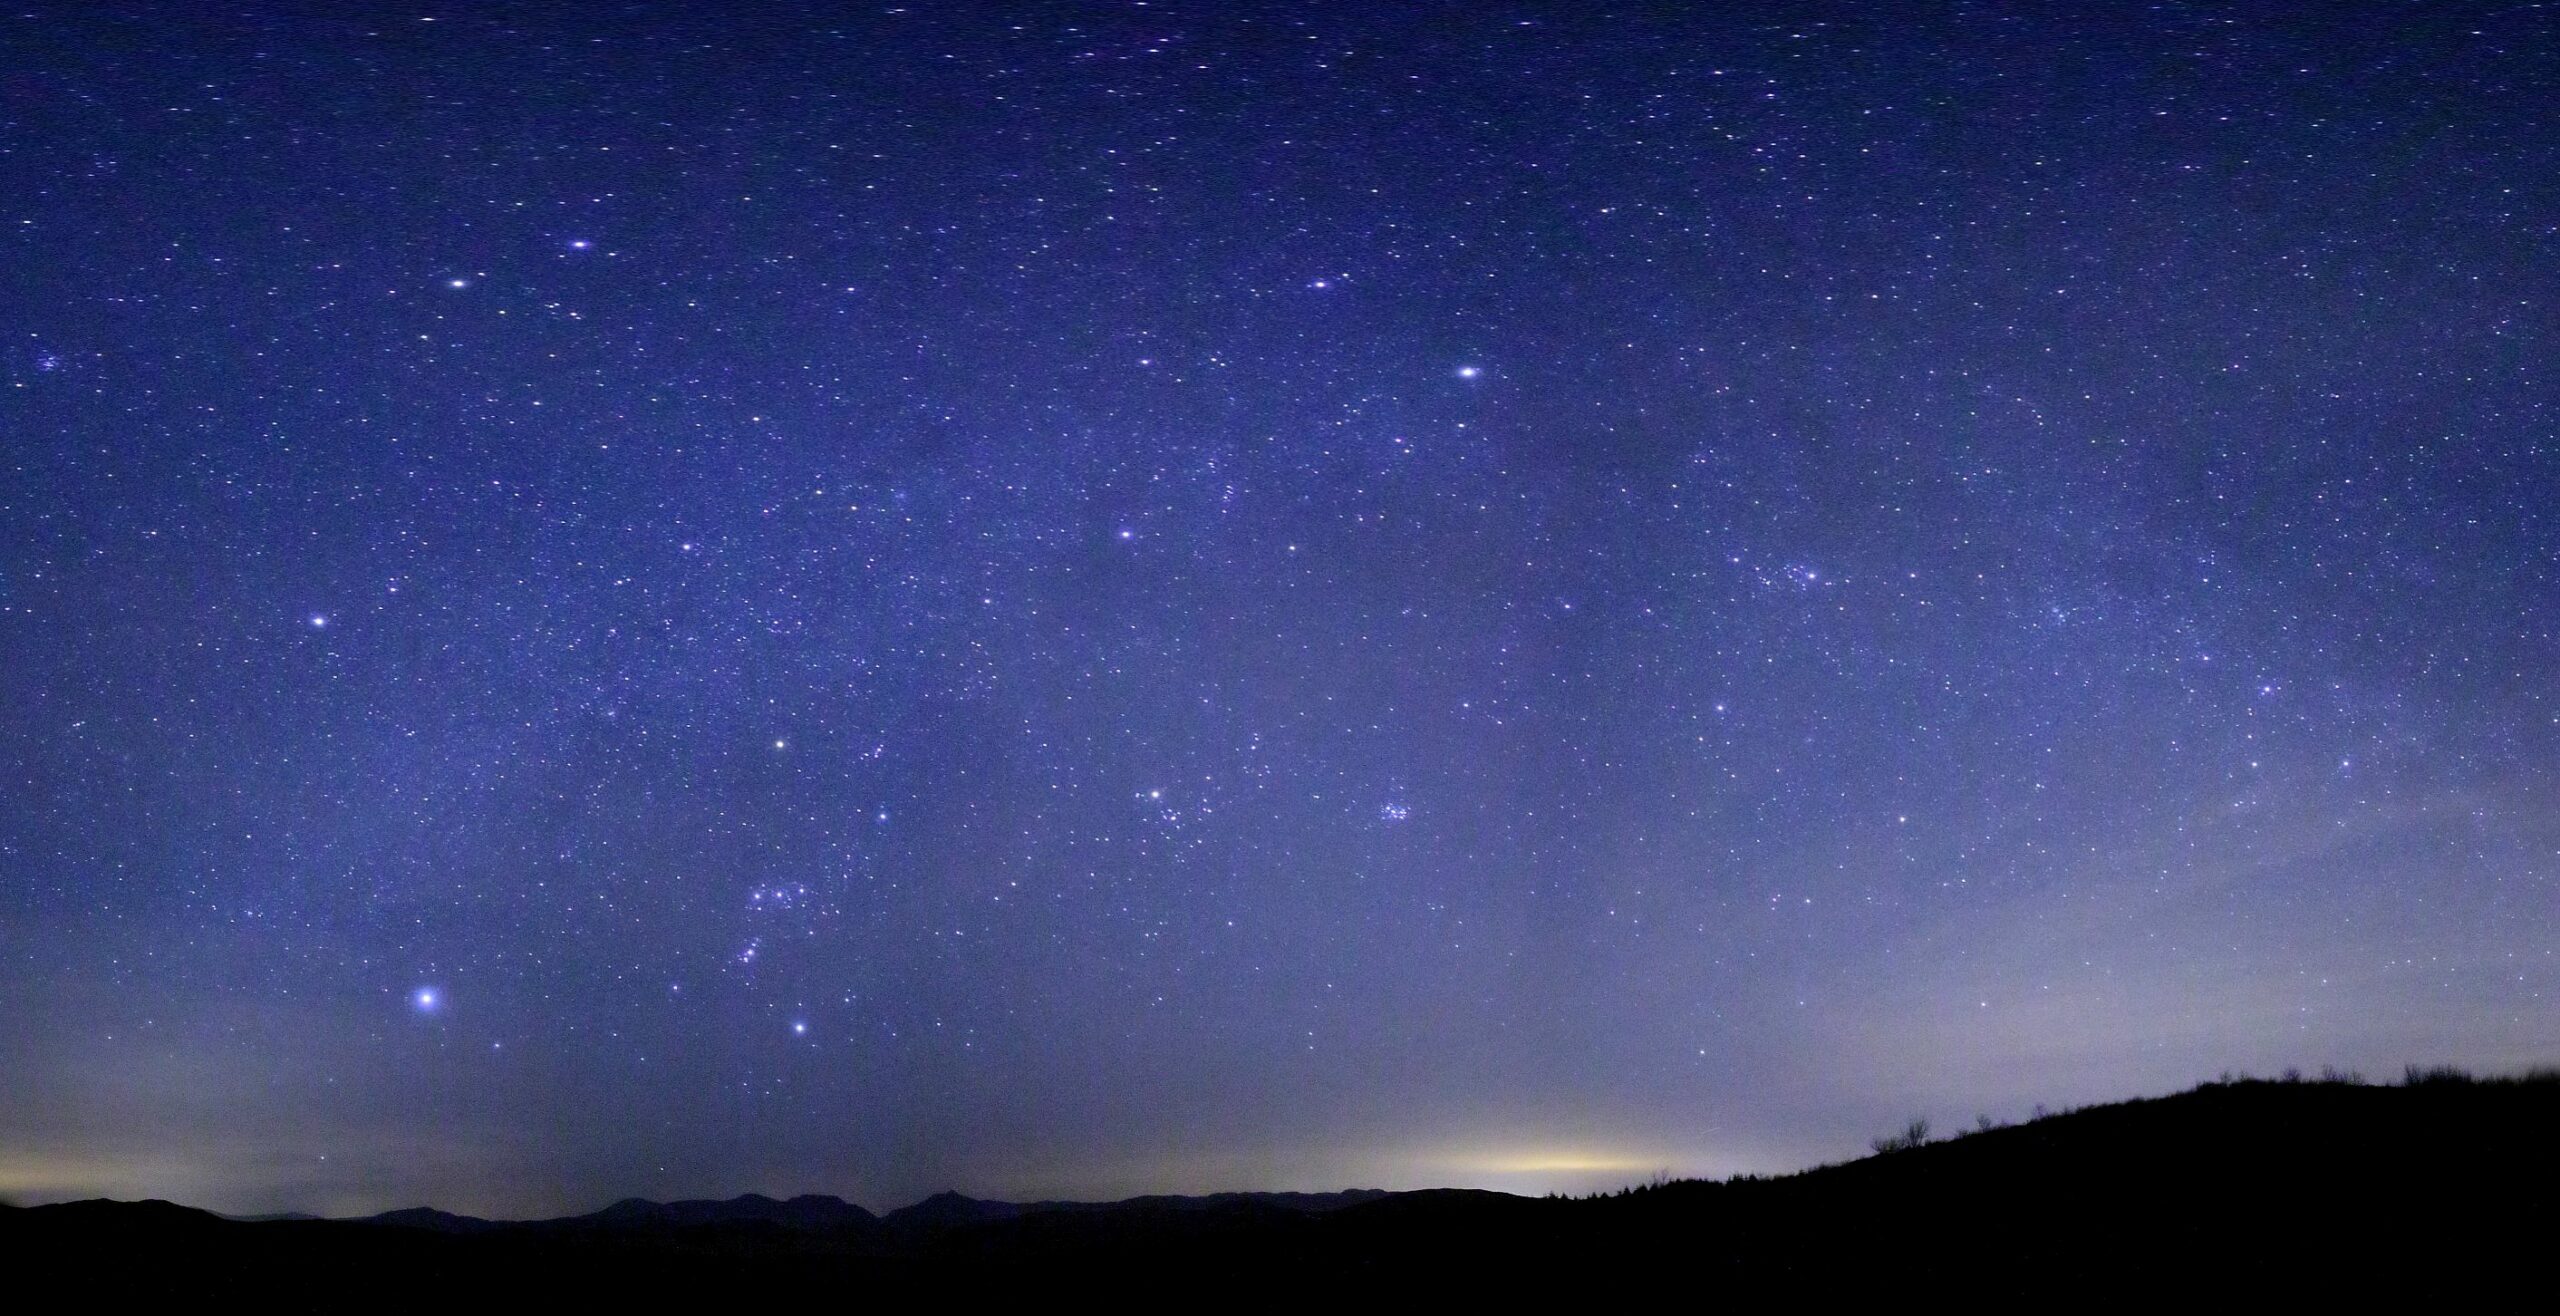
point(2281, 1190)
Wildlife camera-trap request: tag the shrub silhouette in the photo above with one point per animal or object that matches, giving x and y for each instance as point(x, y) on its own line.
point(1913, 1135)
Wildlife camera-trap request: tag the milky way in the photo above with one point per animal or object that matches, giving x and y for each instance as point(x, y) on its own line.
point(1081, 599)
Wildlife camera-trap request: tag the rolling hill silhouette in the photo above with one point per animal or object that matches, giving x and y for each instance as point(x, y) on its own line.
point(808, 1211)
point(2321, 1189)
point(427, 1217)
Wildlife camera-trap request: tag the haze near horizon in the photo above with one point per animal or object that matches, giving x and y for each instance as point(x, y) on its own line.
point(1077, 600)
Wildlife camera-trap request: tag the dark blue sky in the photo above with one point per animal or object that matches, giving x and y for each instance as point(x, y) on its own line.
point(1077, 599)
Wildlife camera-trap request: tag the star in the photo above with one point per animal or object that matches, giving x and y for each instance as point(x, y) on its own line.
point(1799, 412)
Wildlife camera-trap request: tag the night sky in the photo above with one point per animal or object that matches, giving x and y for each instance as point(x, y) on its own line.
point(1078, 599)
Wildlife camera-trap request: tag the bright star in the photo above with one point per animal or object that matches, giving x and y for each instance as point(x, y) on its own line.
point(319, 620)
point(425, 1000)
point(1469, 372)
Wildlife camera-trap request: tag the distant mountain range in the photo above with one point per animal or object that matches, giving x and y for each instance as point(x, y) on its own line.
point(814, 1211)
point(427, 1217)
point(2280, 1191)
point(808, 1211)
point(948, 1210)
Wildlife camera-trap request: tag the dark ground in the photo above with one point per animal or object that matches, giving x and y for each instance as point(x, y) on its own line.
point(2269, 1191)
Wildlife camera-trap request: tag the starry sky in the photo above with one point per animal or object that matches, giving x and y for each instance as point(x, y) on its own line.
point(1073, 599)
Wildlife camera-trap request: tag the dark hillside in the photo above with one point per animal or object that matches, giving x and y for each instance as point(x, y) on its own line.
point(2276, 1189)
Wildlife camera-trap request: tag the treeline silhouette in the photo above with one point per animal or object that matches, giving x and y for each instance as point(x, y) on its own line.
point(2289, 1188)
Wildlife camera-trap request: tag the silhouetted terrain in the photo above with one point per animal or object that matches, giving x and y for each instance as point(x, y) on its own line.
point(808, 1211)
point(2439, 1186)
